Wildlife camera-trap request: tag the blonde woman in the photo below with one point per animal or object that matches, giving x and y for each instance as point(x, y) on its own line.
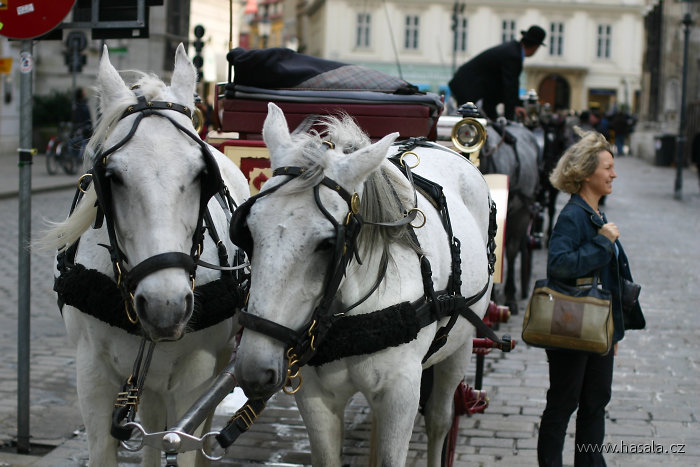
point(583, 242)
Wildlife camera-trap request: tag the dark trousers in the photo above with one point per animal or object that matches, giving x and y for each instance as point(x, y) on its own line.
point(576, 379)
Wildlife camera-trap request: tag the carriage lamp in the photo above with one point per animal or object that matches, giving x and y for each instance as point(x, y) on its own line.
point(469, 134)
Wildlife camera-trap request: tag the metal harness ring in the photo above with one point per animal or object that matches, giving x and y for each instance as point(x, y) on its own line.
point(422, 215)
point(80, 183)
point(412, 153)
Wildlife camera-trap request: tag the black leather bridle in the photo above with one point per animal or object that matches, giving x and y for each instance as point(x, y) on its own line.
point(302, 344)
point(211, 183)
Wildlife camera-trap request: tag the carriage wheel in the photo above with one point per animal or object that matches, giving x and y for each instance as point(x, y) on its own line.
point(450, 444)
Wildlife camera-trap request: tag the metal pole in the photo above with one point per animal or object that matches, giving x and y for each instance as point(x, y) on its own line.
point(678, 193)
point(23, 273)
point(230, 37)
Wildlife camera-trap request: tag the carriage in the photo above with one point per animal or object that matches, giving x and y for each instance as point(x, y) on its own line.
point(333, 166)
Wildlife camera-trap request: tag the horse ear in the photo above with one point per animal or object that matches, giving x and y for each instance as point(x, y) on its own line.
point(357, 166)
point(184, 80)
point(111, 86)
point(276, 134)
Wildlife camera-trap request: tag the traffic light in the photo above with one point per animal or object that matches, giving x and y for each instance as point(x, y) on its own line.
point(75, 44)
point(197, 60)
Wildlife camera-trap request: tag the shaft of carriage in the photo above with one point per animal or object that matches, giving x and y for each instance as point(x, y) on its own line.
point(205, 405)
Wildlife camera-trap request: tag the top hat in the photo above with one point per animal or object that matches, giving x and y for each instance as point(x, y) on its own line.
point(535, 34)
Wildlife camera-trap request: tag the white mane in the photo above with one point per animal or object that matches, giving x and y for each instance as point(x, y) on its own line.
point(386, 194)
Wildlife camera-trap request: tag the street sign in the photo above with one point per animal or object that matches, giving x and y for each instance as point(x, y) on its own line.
point(26, 19)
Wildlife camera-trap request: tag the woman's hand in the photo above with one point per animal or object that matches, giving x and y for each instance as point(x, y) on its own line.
point(609, 231)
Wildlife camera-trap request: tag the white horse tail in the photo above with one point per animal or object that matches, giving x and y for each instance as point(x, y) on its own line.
point(61, 235)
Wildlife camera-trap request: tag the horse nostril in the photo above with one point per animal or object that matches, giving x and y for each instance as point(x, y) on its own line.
point(140, 304)
point(269, 378)
point(189, 302)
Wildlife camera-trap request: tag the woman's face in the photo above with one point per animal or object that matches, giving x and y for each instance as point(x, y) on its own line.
point(600, 181)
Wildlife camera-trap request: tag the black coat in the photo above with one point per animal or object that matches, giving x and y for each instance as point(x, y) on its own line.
point(493, 76)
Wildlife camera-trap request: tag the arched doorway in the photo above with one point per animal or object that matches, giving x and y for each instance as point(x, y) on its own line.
point(555, 90)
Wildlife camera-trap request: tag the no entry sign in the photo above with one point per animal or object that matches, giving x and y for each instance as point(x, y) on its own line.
point(26, 19)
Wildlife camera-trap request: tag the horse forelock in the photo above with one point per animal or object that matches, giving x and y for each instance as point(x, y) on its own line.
point(313, 153)
point(386, 195)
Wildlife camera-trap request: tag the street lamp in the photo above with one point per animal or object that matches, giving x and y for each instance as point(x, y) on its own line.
point(678, 193)
point(687, 23)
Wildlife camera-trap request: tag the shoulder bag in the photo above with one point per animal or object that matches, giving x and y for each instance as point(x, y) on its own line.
point(560, 316)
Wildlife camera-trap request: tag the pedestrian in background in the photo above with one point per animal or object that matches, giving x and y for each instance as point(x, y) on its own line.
point(81, 120)
point(493, 76)
point(619, 123)
point(81, 124)
point(582, 243)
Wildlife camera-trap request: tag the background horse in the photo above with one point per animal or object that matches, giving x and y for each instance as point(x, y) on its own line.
point(558, 134)
point(154, 173)
point(302, 231)
point(512, 149)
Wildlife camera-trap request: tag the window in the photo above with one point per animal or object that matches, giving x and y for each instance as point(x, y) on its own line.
point(411, 32)
point(556, 39)
point(508, 30)
point(461, 34)
point(362, 37)
point(603, 41)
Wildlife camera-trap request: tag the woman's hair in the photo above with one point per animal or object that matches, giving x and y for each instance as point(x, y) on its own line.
point(579, 161)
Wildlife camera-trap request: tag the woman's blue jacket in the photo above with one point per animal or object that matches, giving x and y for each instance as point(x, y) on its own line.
point(577, 250)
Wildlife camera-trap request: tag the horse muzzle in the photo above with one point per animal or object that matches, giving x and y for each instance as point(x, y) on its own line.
point(257, 372)
point(163, 314)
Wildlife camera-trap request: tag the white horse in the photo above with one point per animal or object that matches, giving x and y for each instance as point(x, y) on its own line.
point(151, 171)
point(302, 227)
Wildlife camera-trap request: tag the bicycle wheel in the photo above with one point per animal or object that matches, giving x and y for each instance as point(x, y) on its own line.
point(67, 159)
point(51, 162)
point(70, 164)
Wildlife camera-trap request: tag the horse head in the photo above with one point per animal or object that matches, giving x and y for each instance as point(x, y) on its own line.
point(303, 226)
point(152, 176)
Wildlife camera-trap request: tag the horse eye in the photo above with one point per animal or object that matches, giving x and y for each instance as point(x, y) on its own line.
point(114, 177)
point(326, 245)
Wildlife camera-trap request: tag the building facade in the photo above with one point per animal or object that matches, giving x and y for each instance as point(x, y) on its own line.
point(592, 57)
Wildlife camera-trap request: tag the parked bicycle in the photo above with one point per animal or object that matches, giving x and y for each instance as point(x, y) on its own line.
point(65, 150)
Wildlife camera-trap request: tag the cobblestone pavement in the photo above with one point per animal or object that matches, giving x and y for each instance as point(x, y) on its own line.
point(655, 397)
